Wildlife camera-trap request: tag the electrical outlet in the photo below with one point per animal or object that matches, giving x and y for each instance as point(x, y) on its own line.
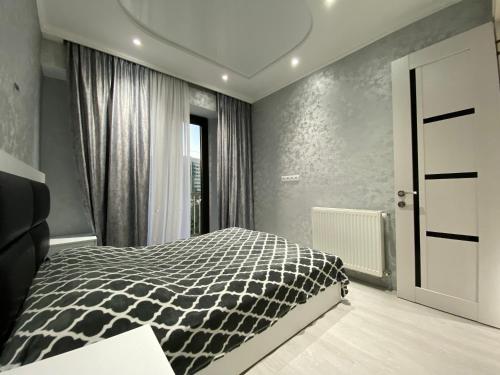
point(290, 178)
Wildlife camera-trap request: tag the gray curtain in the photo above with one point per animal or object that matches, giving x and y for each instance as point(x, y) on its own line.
point(234, 163)
point(110, 101)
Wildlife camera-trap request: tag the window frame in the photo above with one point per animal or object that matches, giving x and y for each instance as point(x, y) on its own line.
point(202, 122)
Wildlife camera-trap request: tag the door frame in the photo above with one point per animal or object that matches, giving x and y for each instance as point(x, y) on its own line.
point(481, 42)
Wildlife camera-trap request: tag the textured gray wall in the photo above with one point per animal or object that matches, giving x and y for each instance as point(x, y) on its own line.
point(53, 59)
point(334, 128)
point(57, 161)
point(203, 98)
point(20, 39)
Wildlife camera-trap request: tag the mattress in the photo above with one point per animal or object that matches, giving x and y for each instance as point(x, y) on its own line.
point(203, 296)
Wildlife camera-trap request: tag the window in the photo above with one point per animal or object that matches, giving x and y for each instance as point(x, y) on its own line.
point(198, 137)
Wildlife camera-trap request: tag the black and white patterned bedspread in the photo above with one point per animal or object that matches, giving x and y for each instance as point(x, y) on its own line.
point(203, 296)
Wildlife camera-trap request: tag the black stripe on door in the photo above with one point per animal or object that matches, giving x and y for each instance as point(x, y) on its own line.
point(443, 176)
point(446, 116)
point(416, 203)
point(452, 236)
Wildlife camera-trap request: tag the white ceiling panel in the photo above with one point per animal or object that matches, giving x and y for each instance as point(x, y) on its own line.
point(226, 32)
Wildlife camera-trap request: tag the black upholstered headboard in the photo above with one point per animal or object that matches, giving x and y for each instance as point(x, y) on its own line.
point(24, 242)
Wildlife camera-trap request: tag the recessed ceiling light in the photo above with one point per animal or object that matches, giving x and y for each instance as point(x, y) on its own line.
point(225, 77)
point(137, 42)
point(295, 61)
point(329, 3)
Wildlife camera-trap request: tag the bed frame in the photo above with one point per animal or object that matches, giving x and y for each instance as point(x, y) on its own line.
point(24, 238)
point(252, 351)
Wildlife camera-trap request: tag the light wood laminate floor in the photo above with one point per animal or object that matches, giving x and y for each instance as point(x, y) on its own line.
point(374, 332)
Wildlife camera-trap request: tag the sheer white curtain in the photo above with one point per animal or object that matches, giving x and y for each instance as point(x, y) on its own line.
point(169, 213)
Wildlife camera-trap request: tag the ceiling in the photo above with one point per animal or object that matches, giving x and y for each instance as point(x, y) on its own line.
point(252, 42)
point(225, 31)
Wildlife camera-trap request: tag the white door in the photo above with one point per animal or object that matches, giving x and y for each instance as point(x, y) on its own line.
point(446, 106)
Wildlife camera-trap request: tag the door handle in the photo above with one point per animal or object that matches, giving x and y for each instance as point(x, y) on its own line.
point(402, 193)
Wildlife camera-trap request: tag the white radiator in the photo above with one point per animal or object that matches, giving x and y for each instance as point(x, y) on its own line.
point(356, 236)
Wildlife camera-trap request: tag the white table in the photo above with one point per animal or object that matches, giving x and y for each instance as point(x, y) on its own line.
point(136, 352)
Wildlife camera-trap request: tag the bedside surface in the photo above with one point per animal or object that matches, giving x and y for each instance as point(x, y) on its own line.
point(135, 352)
point(71, 240)
point(60, 243)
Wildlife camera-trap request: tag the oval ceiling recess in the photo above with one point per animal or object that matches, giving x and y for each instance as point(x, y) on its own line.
point(240, 35)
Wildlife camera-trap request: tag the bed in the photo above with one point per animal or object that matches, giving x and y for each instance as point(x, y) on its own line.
point(216, 302)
